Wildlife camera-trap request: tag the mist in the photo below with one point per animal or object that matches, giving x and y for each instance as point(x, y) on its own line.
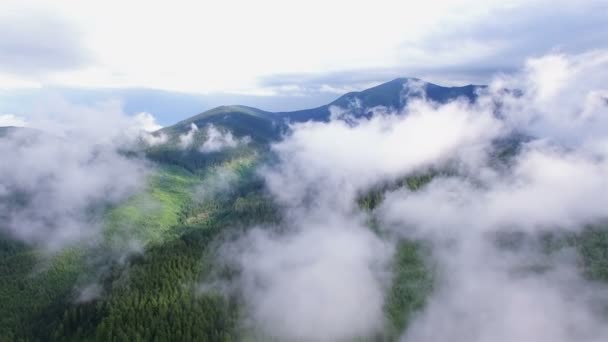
point(324, 273)
point(65, 168)
point(211, 139)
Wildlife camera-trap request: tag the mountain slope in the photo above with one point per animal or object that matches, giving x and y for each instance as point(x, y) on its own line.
point(239, 120)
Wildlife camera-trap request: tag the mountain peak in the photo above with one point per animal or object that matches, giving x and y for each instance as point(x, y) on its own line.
point(263, 126)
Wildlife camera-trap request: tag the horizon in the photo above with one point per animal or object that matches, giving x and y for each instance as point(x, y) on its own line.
point(193, 61)
point(189, 104)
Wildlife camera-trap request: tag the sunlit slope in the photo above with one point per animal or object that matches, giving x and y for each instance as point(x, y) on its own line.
point(156, 240)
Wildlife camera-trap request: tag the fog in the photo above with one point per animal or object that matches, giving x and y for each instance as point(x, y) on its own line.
point(211, 139)
point(324, 274)
point(60, 173)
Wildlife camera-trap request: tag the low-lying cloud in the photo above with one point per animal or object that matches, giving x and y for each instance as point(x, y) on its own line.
point(213, 139)
point(217, 140)
point(60, 174)
point(323, 275)
point(318, 282)
point(186, 139)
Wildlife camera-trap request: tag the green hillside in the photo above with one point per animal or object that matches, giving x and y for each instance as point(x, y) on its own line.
point(150, 295)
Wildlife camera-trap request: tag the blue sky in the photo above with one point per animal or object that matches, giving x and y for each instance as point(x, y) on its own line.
point(180, 58)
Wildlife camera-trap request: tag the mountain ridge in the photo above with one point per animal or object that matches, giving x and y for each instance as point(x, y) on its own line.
point(264, 126)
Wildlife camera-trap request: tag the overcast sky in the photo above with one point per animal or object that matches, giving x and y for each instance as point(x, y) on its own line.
point(276, 54)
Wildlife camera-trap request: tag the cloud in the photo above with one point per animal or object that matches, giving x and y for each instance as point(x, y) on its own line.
point(564, 97)
point(154, 139)
point(11, 120)
point(147, 122)
point(557, 183)
point(383, 147)
point(541, 29)
point(217, 140)
point(323, 275)
point(145, 125)
point(484, 291)
point(429, 42)
point(57, 178)
point(537, 193)
point(470, 48)
point(187, 139)
point(33, 44)
point(322, 282)
point(219, 182)
point(484, 294)
point(214, 139)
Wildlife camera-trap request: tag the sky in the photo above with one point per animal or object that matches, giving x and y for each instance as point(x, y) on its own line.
point(180, 58)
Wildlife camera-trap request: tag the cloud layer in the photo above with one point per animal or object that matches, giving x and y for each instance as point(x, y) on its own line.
point(59, 174)
point(35, 43)
point(83, 48)
point(311, 279)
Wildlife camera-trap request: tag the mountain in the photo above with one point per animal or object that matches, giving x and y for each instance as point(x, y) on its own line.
point(263, 126)
point(393, 94)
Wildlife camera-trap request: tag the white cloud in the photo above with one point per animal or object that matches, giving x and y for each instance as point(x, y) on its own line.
point(11, 120)
point(327, 261)
point(488, 293)
point(187, 139)
point(145, 125)
point(396, 34)
point(545, 189)
point(564, 97)
point(147, 122)
point(387, 146)
point(483, 291)
point(216, 141)
point(321, 283)
point(56, 180)
point(154, 139)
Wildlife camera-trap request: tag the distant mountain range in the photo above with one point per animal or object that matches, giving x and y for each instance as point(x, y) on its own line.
point(263, 126)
